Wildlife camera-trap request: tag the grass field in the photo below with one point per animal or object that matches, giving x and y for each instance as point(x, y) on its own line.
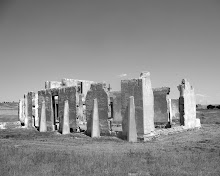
point(193, 152)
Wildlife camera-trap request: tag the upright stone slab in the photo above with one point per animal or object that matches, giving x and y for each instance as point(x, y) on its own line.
point(170, 110)
point(26, 111)
point(95, 129)
point(144, 103)
point(161, 105)
point(187, 105)
point(67, 93)
point(36, 117)
point(132, 131)
point(41, 99)
point(43, 124)
point(66, 124)
point(97, 91)
point(29, 108)
point(21, 111)
point(49, 110)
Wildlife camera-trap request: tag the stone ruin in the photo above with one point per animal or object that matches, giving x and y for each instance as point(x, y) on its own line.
point(136, 111)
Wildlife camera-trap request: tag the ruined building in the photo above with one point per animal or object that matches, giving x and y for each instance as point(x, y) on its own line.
point(152, 106)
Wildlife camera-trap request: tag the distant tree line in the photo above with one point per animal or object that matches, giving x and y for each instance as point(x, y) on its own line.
point(213, 107)
point(8, 102)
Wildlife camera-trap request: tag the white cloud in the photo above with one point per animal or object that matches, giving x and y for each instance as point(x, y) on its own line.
point(122, 75)
point(201, 95)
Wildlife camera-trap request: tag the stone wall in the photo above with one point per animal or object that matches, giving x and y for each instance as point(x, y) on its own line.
point(97, 91)
point(52, 84)
point(161, 109)
point(187, 104)
point(144, 103)
point(30, 97)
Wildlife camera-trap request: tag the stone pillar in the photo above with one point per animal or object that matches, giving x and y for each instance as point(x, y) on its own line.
point(29, 108)
point(47, 85)
point(20, 110)
point(36, 117)
point(142, 91)
point(43, 124)
point(187, 105)
point(170, 110)
point(132, 131)
point(26, 111)
point(52, 116)
point(66, 124)
point(95, 129)
point(148, 103)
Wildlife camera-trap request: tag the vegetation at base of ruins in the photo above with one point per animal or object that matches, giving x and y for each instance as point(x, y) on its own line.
point(194, 152)
point(176, 160)
point(8, 112)
point(211, 116)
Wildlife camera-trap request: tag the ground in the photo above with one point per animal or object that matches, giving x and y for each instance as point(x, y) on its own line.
point(29, 152)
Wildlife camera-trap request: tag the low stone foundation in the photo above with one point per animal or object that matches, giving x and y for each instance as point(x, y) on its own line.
point(166, 131)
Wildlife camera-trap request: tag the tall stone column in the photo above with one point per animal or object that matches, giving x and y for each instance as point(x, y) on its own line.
point(148, 103)
point(26, 111)
point(36, 117)
point(170, 110)
point(142, 91)
point(20, 110)
point(187, 105)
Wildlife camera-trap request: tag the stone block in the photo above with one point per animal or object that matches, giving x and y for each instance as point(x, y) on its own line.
point(144, 103)
point(161, 106)
point(187, 104)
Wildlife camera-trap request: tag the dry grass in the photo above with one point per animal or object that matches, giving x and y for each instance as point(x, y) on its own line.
point(195, 152)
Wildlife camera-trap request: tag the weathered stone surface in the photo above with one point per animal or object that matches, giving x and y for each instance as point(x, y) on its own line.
point(175, 110)
point(67, 93)
point(97, 91)
point(41, 98)
point(144, 103)
point(29, 108)
point(26, 111)
point(116, 106)
point(66, 125)
point(52, 84)
point(132, 131)
point(95, 129)
point(83, 86)
point(148, 103)
point(187, 104)
point(36, 117)
point(21, 110)
point(49, 110)
point(43, 124)
point(161, 106)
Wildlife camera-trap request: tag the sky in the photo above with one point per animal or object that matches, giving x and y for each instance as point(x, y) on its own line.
point(110, 40)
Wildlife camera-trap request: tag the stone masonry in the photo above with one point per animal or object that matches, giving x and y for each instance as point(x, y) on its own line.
point(142, 92)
